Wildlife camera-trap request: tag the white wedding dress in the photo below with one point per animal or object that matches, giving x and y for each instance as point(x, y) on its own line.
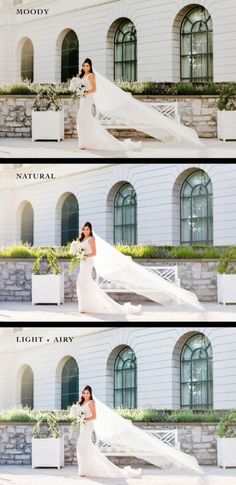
point(91, 298)
point(91, 461)
point(116, 431)
point(121, 108)
point(113, 266)
point(91, 133)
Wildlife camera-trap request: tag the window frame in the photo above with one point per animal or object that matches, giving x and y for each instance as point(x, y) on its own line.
point(124, 225)
point(210, 219)
point(209, 404)
point(133, 62)
point(131, 389)
point(65, 396)
point(208, 54)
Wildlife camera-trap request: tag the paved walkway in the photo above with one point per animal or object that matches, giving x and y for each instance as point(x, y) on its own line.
point(68, 148)
point(24, 475)
point(25, 312)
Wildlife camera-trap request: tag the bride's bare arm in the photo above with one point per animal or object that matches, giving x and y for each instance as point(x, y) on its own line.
point(92, 244)
point(92, 408)
point(92, 79)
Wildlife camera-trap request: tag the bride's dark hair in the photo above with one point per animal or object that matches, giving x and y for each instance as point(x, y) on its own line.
point(87, 224)
point(87, 388)
point(86, 61)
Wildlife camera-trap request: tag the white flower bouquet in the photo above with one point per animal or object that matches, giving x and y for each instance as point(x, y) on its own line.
point(78, 418)
point(79, 254)
point(78, 88)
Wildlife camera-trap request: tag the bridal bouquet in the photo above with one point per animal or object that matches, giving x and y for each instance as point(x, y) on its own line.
point(78, 88)
point(78, 418)
point(79, 254)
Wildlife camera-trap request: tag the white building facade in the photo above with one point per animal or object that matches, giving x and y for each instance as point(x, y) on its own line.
point(160, 41)
point(129, 203)
point(147, 367)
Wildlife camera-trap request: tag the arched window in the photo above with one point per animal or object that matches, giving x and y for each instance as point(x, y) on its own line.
point(125, 52)
point(27, 224)
point(27, 61)
point(197, 209)
point(69, 383)
point(69, 220)
point(196, 41)
point(125, 216)
point(27, 388)
point(69, 56)
point(196, 365)
point(125, 379)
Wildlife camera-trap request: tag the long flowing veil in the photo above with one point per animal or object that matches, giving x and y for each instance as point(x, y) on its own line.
point(117, 105)
point(115, 430)
point(114, 266)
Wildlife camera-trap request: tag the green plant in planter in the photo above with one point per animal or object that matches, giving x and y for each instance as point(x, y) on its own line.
point(226, 100)
point(50, 259)
point(47, 99)
point(50, 421)
point(227, 426)
point(226, 263)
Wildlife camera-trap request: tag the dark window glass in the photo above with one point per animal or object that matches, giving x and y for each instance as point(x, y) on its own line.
point(125, 379)
point(70, 220)
point(69, 384)
point(125, 52)
point(69, 56)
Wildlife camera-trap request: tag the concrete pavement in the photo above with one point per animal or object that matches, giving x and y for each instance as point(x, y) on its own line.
point(24, 475)
point(68, 148)
point(68, 312)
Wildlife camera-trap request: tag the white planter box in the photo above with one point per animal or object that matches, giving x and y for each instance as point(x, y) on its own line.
point(48, 125)
point(226, 452)
point(226, 123)
point(48, 289)
point(226, 289)
point(47, 452)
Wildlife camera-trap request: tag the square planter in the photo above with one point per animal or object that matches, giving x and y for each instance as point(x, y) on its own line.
point(226, 125)
point(226, 288)
point(48, 125)
point(48, 452)
point(226, 452)
point(47, 289)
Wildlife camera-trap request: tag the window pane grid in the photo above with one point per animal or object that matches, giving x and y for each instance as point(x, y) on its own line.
point(196, 61)
point(125, 216)
point(196, 203)
point(125, 379)
point(196, 379)
point(125, 52)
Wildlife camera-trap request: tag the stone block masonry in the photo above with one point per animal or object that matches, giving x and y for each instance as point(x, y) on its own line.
point(197, 439)
point(198, 112)
point(200, 277)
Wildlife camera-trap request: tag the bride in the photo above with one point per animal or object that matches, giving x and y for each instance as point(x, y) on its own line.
point(106, 99)
point(111, 428)
point(113, 266)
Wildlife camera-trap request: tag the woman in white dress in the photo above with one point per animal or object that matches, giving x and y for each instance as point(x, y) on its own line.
point(102, 96)
point(113, 266)
point(91, 298)
point(91, 133)
point(91, 461)
point(117, 431)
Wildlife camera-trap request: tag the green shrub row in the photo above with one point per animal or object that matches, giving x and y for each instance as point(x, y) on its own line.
point(24, 251)
point(24, 415)
point(136, 88)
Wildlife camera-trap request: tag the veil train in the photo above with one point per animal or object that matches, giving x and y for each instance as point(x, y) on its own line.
point(112, 102)
point(112, 428)
point(115, 266)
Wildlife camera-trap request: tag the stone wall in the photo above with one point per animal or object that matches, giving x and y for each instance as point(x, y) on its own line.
point(198, 112)
point(197, 439)
point(199, 277)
